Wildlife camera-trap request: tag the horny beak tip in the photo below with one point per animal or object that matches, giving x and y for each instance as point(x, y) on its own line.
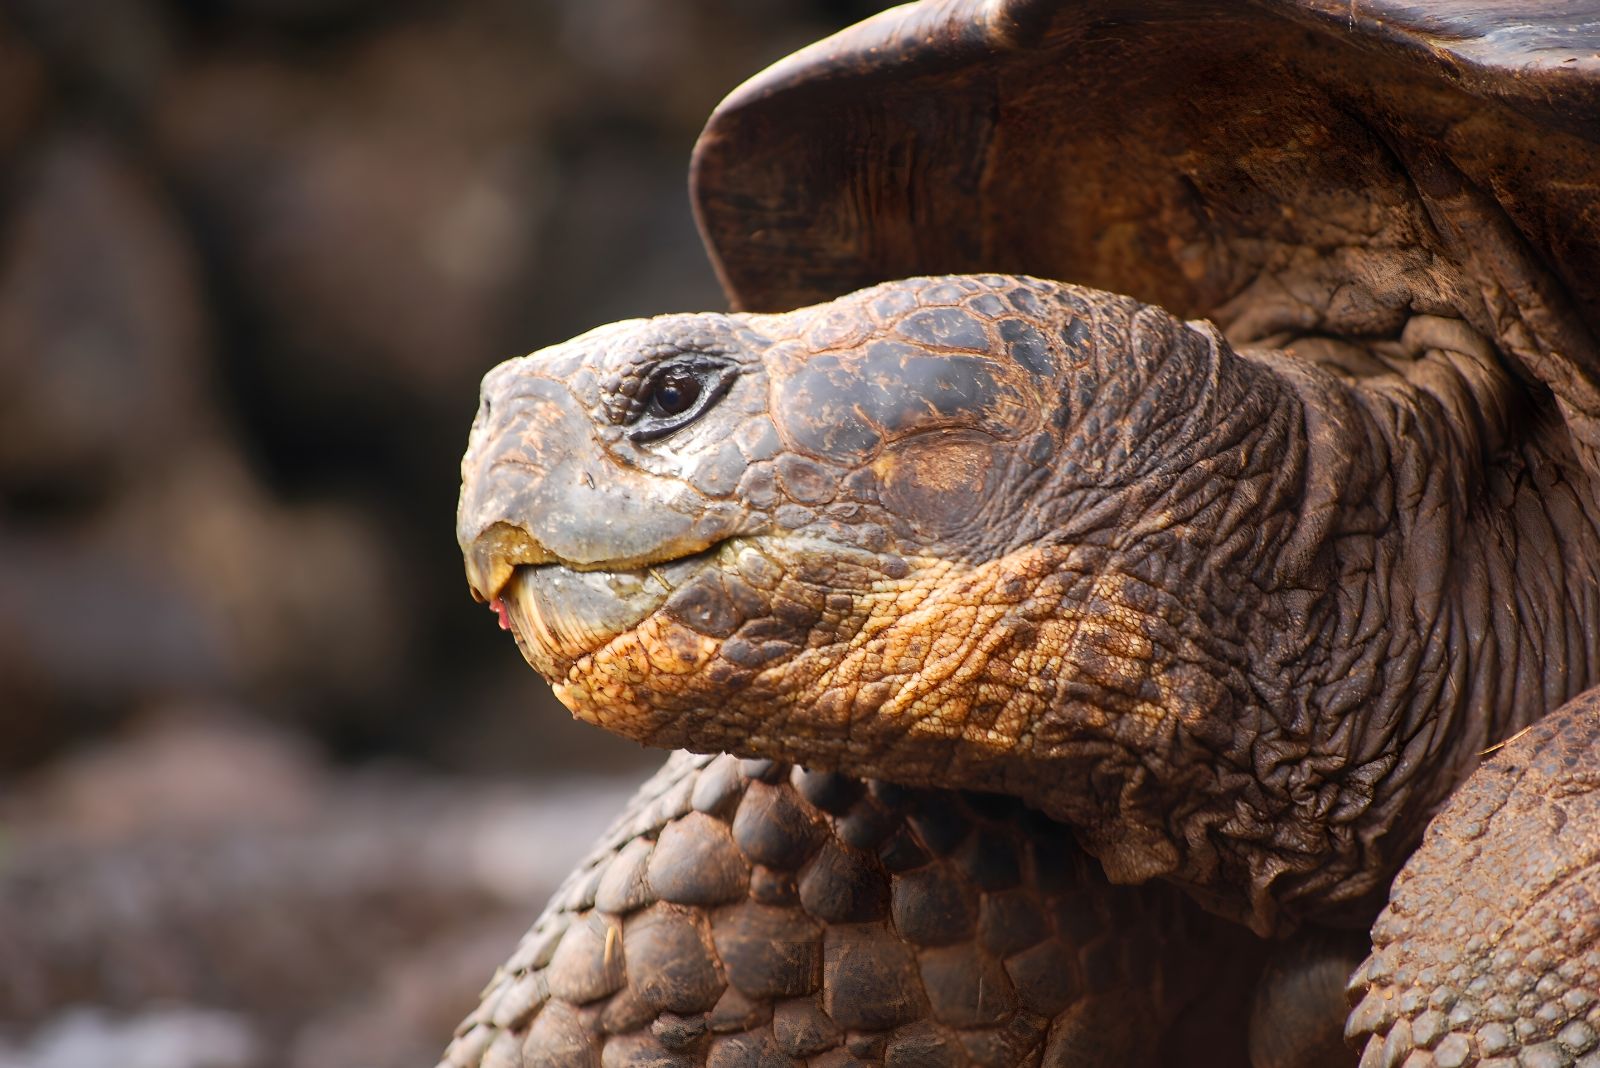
point(488, 570)
point(495, 553)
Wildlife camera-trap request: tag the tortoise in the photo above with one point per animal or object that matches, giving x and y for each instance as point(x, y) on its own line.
point(1162, 433)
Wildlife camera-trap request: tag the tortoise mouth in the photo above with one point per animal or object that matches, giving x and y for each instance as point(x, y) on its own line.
point(559, 615)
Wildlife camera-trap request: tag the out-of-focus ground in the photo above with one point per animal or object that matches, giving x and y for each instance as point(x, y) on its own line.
point(273, 791)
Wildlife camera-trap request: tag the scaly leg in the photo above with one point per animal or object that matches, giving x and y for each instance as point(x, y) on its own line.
point(1489, 951)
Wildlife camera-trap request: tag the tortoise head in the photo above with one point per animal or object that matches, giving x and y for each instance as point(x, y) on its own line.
point(870, 533)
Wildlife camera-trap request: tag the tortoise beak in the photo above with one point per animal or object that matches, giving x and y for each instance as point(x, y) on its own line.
point(494, 554)
point(522, 437)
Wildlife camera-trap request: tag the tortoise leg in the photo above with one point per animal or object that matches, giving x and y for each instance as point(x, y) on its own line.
point(1489, 950)
point(746, 913)
point(1297, 1020)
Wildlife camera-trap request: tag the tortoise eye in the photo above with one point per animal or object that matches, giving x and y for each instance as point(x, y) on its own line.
point(675, 393)
point(678, 393)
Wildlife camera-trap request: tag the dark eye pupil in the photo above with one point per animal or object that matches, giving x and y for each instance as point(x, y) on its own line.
point(676, 393)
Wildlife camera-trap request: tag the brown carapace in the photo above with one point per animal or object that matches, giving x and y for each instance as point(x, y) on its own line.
point(1232, 583)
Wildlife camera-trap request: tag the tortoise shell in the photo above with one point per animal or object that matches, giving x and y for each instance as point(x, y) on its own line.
point(1205, 156)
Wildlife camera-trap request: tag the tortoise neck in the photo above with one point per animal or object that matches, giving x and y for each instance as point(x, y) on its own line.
point(1464, 592)
point(1398, 574)
point(1505, 613)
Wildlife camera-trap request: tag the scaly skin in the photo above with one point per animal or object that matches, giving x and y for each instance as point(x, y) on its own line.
point(749, 913)
point(1489, 950)
point(1241, 622)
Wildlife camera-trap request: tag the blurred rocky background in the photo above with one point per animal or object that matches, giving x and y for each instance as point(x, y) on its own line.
point(273, 790)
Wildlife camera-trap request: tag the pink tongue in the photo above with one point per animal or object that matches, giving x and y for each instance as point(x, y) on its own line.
point(499, 607)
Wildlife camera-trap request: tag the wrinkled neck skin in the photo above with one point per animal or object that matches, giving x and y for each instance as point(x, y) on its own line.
point(1409, 587)
point(1255, 662)
point(1435, 594)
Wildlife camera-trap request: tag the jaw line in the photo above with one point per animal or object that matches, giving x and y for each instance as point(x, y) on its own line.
point(572, 669)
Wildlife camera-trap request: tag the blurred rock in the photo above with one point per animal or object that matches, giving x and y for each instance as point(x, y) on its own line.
point(183, 771)
point(372, 206)
point(295, 16)
point(162, 1038)
point(191, 581)
point(107, 54)
point(102, 337)
point(301, 595)
point(397, 215)
point(87, 633)
point(23, 90)
point(400, 1018)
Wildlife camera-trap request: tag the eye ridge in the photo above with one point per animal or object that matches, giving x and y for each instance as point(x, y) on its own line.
point(677, 393)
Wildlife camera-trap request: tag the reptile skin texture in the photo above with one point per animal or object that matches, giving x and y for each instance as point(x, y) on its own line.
point(748, 913)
